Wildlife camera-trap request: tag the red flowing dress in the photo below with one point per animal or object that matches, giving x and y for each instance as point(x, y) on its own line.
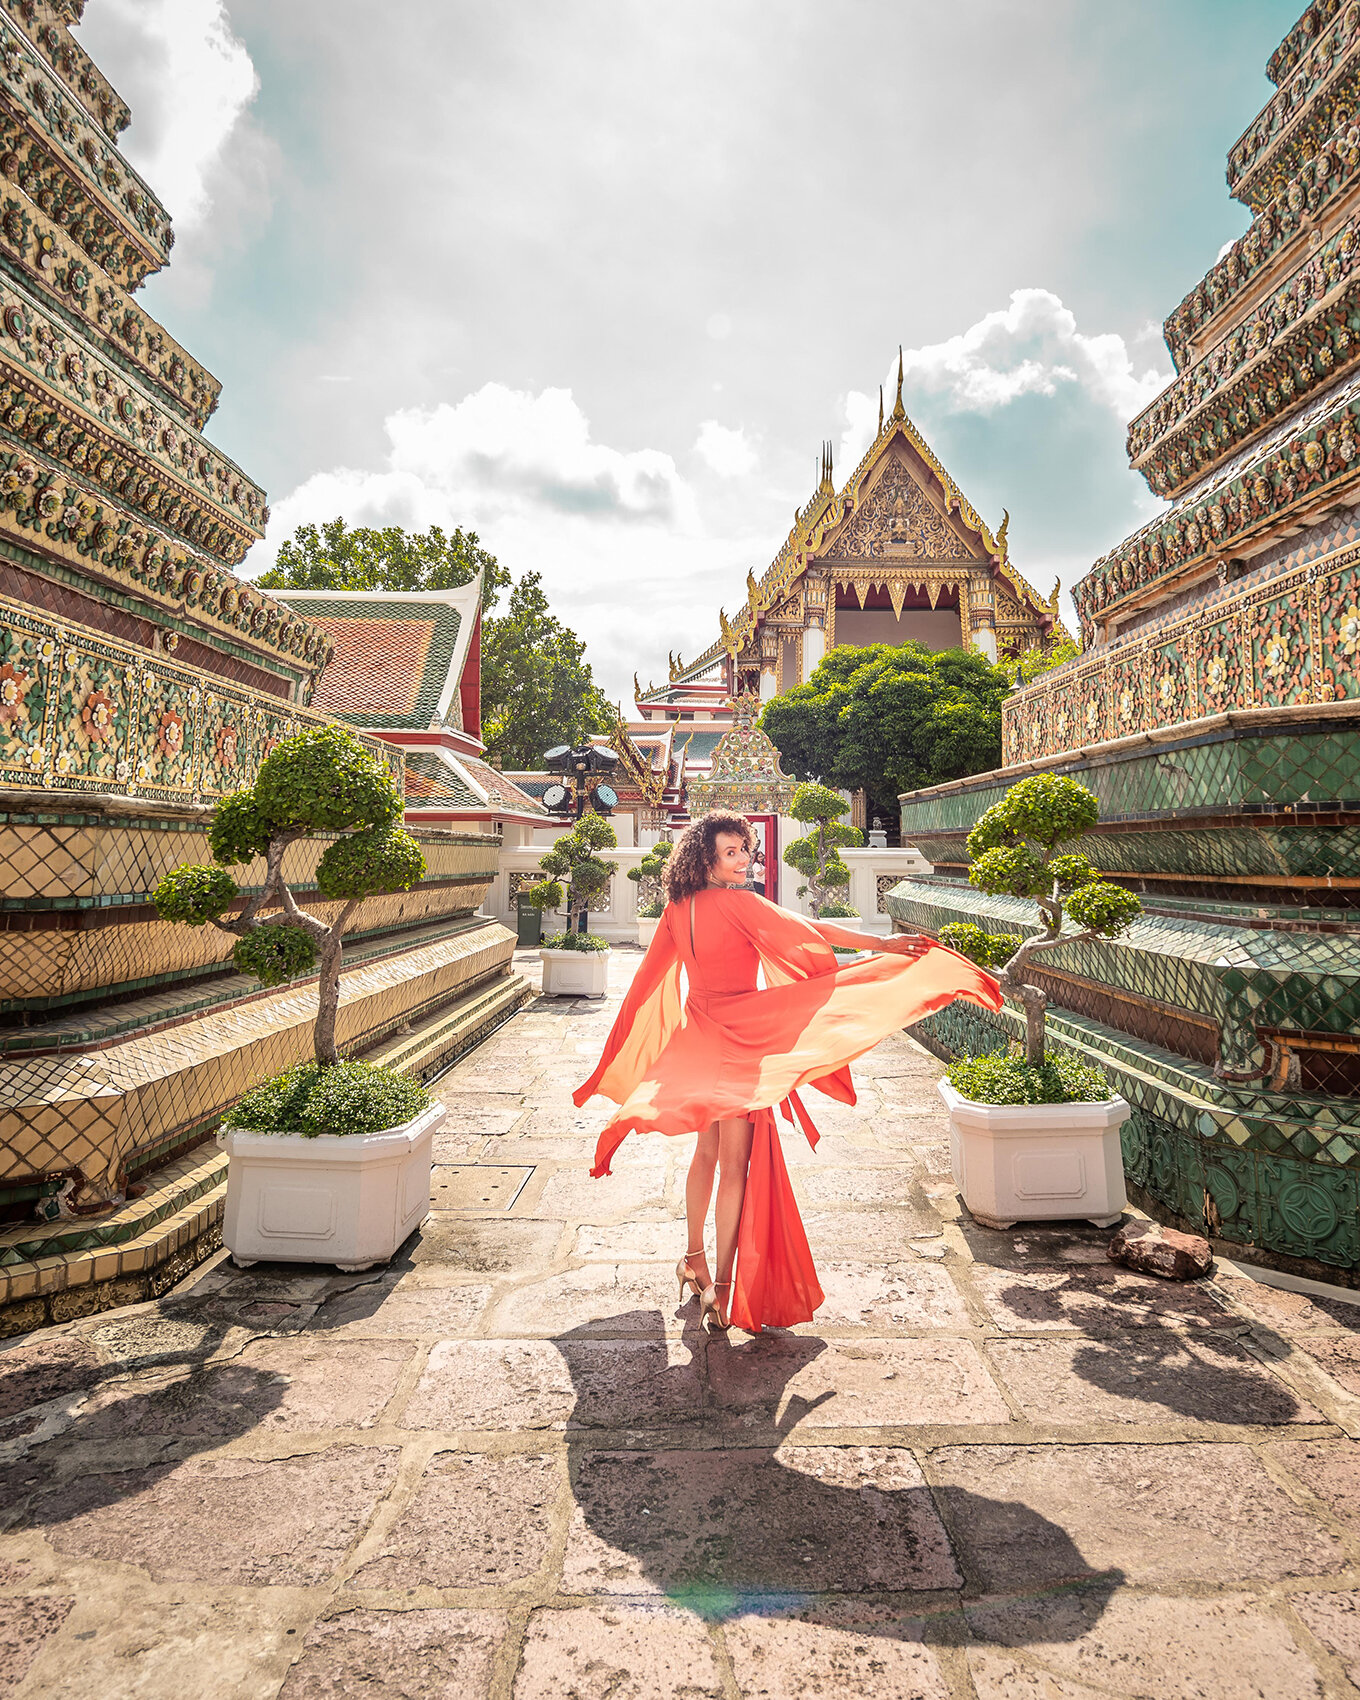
point(674, 1064)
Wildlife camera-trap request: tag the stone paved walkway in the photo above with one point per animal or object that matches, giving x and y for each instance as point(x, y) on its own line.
point(510, 1466)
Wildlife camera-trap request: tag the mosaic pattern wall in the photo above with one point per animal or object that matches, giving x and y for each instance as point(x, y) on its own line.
point(76, 917)
point(80, 712)
point(1293, 641)
point(1229, 803)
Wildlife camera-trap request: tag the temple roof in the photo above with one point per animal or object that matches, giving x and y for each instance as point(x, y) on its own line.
point(820, 526)
point(399, 655)
point(438, 780)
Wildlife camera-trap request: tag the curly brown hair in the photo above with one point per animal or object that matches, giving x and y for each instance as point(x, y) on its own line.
point(688, 864)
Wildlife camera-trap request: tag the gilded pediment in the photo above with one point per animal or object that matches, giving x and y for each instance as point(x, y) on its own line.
point(897, 520)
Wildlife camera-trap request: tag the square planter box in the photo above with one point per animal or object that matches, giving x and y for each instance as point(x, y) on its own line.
point(346, 1199)
point(575, 973)
point(1037, 1162)
point(647, 925)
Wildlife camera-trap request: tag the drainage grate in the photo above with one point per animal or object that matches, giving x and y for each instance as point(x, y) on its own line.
point(470, 1186)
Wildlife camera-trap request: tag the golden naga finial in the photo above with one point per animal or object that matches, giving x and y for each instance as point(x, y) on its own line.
point(753, 592)
point(899, 412)
point(731, 637)
point(1053, 600)
point(1001, 532)
point(637, 688)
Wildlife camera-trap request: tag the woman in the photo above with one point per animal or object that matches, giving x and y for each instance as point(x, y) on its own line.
point(721, 1059)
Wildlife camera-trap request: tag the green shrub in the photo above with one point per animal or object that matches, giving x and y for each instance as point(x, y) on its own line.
point(988, 950)
point(324, 780)
point(838, 912)
point(1059, 1079)
point(575, 941)
point(194, 895)
point(275, 953)
point(237, 832)
point(652, 911)
point(383, 859)
point(346, 1097)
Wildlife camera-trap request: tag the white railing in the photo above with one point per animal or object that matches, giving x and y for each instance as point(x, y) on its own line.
point(872, 873)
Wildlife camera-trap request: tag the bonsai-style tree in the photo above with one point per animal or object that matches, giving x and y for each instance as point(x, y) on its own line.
point(648, 876)
point(572, 861)
point(817, 855)
point(1014, 849)
point(320, 782)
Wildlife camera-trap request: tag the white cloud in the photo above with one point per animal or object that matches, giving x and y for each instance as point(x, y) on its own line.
point(1030, 348)
point(616, 533)
point(724, 451)
point(192, 80)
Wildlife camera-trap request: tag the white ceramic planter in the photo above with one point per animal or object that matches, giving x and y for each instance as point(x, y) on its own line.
point(575, 973)
point(1037, 1162)
point(647, 925)
point(346, 1199)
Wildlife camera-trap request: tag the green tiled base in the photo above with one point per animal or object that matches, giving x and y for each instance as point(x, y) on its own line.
point(1274, 1177)
point(53, 1273)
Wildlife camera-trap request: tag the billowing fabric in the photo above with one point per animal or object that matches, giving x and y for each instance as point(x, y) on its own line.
point(675, 1064)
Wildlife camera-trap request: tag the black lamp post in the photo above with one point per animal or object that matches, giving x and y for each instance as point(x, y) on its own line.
point(584, 771)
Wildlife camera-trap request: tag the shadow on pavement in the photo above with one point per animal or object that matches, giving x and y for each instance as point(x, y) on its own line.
point(763, 1521)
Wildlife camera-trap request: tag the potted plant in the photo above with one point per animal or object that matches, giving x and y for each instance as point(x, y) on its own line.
point(648, 876)
point(576, 962)
point(817, 855)
point(1036, 1135)
point(330, 1160)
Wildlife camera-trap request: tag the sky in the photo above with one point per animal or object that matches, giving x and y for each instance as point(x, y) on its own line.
point(595, 278)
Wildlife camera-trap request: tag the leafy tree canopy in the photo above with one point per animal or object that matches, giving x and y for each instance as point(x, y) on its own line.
point(1034, 662)
point(334, 557)
point(537, 690)
point(891, 718)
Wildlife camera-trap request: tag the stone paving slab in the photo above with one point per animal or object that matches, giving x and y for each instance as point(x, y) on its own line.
point(510, 1466)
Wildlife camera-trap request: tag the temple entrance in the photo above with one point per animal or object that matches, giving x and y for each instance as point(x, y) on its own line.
point(766, 830)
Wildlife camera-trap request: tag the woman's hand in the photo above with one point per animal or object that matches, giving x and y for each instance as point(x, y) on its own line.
point(902, 944)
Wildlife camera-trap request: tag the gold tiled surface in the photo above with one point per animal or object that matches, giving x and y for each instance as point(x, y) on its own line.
point(113, 862)
point(179, 1217)
point(96, 1110)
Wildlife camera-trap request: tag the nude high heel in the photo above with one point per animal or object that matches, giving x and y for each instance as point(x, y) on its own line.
point(685, 1275)
point(708, 1308)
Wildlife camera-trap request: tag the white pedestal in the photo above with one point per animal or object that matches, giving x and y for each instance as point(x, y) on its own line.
point(575, 973)
point(347, 1199)
point(1037, 1162)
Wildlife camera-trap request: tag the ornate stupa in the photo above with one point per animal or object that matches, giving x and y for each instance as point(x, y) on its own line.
point(1216, 715)
point(141, 679)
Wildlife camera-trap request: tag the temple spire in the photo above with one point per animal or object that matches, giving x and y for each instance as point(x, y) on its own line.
point(899, 412)
point(880, 410)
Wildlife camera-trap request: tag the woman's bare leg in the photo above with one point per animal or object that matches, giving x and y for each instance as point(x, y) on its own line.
point(698, 1192)
point(734, 1157)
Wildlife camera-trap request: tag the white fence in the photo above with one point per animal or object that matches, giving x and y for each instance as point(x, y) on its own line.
point(615, 917)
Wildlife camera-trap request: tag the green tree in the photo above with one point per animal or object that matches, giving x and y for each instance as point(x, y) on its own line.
point(334, 557)
point(1015, 850)
point(1034, 662)
point(891, 718)
point(649, 876)
point(537, 690)
point(571, 859)
point(322, 781)
point(817, 855)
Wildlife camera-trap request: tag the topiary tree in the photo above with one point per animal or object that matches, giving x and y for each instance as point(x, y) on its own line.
point(1014, 850)
point(572, 860)
point(320, 782)
point(648, 876)
point(817, 856)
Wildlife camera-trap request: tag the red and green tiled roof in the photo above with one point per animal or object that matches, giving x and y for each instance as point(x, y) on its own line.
point(441, 780)
point(398, 658)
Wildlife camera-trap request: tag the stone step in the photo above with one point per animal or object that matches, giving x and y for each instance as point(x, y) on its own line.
point(55, 1272)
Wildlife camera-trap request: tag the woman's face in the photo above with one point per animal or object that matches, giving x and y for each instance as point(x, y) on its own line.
point(730, 859)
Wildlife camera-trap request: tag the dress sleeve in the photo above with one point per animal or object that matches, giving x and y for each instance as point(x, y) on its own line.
point(790, 947)
point(650, 1014)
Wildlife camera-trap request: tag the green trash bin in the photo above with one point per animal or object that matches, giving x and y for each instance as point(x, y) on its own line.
point(528, 922)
